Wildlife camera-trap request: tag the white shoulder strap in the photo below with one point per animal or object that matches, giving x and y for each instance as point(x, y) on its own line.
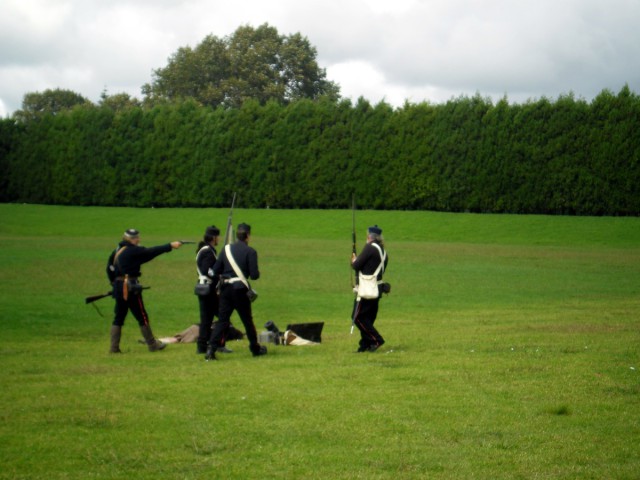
point(235, 267)
point(201, 275)
point(382, 258)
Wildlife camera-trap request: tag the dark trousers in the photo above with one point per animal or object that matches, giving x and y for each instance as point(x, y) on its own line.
point(235, 299)
point(134, 303)
point(364, 314)
point(208, 310)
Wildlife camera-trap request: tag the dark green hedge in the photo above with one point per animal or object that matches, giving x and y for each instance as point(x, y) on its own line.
point(566, 156)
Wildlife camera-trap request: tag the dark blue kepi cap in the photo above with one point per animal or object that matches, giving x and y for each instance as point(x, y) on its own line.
point(131, 233)
point(375, 229)
point(243, 227)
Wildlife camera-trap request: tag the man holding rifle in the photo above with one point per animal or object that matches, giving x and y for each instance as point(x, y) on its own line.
point(370, 266)
point(123, 270)
point(236, 264)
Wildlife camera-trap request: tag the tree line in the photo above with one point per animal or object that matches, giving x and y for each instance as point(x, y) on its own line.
point(563, 156)
point(257, 64)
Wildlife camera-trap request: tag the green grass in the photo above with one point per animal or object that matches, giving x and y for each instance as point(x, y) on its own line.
point(512, 351)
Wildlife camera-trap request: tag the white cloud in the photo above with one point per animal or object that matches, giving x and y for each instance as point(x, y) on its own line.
point(406, 49)
point(358, 76)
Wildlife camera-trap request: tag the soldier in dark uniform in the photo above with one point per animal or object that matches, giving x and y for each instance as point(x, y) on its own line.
point(206, 256)
point(366, 310)
point(234, 292)
point(123, 270)
point(205, 259)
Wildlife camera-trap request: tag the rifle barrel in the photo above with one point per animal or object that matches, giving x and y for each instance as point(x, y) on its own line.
point(228, 235)
point(353, 232)
point(354, 279)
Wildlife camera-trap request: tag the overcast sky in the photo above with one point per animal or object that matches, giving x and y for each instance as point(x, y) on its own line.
point(391, 50)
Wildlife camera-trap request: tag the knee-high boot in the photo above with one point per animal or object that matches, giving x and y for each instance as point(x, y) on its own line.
point(153, 344)
point(116, 332)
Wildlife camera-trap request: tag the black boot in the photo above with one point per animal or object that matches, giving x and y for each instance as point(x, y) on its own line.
point(116, 332)
point(211, 352)
point(259, 350)
point(153, 344)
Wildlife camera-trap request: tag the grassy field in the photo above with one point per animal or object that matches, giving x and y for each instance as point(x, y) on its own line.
point(513, 351)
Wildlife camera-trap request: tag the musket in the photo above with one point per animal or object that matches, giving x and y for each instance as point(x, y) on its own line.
point(186, 242)
point(228, 234)
point(97, 297)
point(354, 279)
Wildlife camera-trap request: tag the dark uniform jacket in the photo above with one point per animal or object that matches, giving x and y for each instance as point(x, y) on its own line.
point(131, 258)
point(369, 260)
point(205, 260)
point(246, 258)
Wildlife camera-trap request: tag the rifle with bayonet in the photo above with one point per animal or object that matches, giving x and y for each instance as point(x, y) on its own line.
point(228, 234)
point(354, 279)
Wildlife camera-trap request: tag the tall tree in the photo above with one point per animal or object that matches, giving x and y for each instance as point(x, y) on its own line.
point(253, 63)
point(9, 140)
point(35, 105)
point(118, 102)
